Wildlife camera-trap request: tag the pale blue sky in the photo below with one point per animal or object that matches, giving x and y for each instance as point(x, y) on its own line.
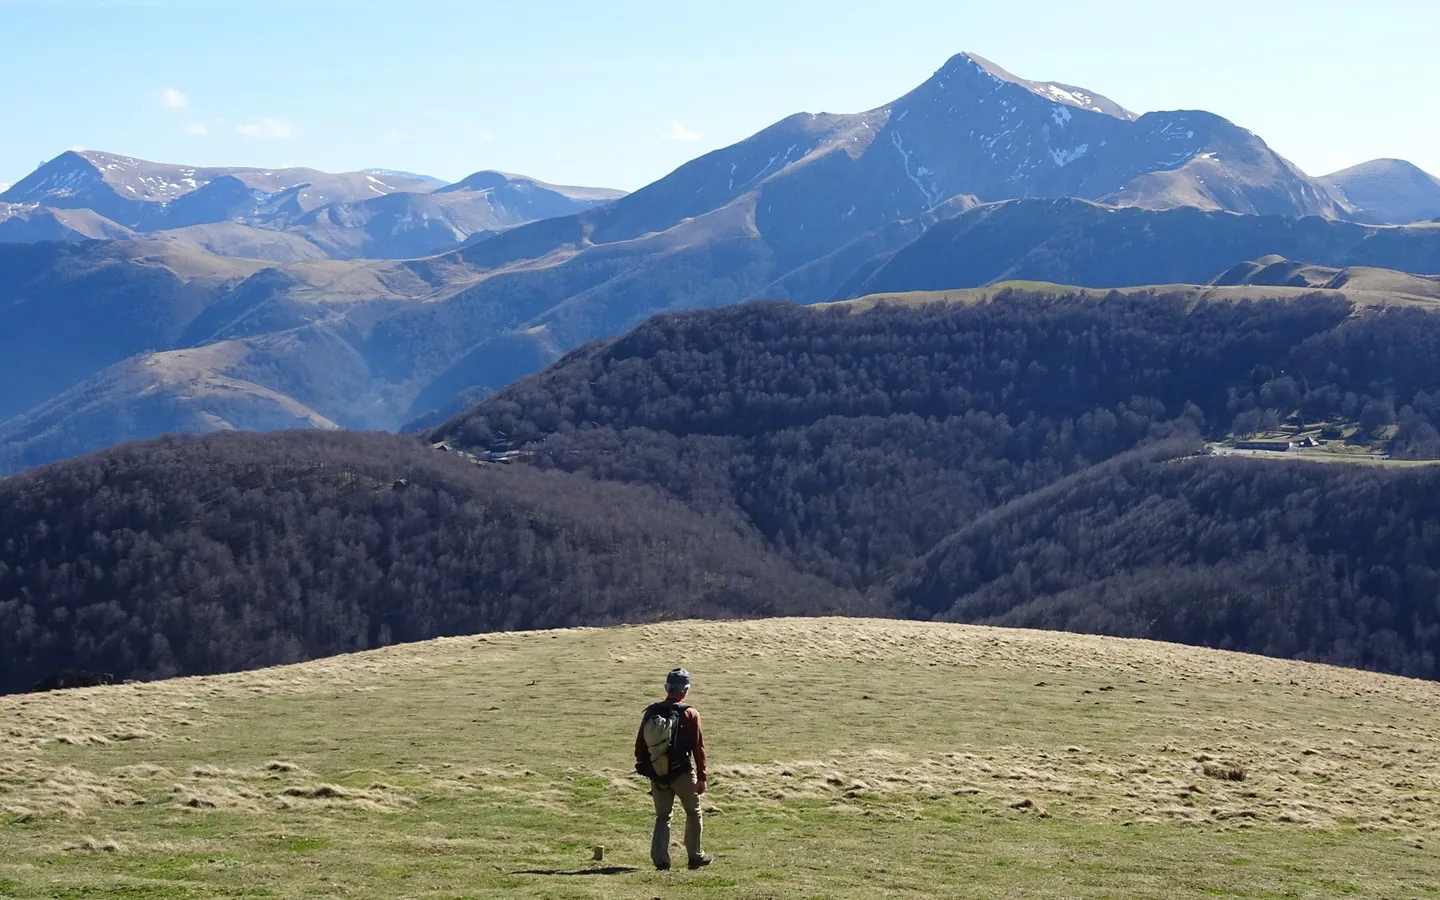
point(618, 93)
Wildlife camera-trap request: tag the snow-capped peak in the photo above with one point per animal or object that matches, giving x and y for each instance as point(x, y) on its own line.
point(398, 173)
point(1054, 91)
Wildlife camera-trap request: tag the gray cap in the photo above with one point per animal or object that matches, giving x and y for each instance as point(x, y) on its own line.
point(678, 680)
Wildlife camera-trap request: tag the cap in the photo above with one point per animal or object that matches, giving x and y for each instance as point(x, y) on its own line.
point(678, 680)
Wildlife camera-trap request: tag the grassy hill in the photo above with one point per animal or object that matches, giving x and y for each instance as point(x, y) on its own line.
point(917, 760)
point(1271, 278)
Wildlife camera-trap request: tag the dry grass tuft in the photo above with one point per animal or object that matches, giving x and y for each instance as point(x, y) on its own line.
point(131, 734)
point(94, 845)
point(378, 798)
point(319, 792)
point(1223, 771)
point(217, 797)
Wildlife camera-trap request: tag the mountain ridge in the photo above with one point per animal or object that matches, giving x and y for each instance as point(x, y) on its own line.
point(284, 212)
point(383, 344)
point(1093, 245)
point(1388, 190)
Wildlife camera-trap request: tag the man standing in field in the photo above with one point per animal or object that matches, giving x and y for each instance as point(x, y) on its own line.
point(670, 751)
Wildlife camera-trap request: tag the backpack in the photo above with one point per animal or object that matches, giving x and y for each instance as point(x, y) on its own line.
point(661, 730)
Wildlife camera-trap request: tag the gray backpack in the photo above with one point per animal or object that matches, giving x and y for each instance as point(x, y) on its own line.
point(660, 727)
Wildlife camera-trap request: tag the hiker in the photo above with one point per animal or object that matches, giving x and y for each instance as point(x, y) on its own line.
point(670, 751)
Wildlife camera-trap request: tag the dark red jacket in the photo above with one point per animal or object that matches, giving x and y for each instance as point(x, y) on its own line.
point(692, 741)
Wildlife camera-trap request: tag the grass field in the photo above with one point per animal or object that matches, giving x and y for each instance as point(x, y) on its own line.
point(1366, 293)
point(850, 759)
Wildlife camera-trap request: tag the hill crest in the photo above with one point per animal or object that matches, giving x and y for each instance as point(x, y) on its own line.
point(1388, 190)
point(1054, 91)
point(1151, 766)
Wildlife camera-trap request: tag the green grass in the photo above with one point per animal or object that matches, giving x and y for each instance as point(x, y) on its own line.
point(914, 761)
point(1365, 295)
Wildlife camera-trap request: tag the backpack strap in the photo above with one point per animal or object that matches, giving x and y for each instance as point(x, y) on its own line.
point(679, 753)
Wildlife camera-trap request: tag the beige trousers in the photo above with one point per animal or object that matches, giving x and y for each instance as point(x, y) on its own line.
point(664, 794)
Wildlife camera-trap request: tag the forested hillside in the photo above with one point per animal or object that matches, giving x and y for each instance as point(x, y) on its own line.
point(199, 555)
point(856, 442)
point(1033, 459)
point(1321, 562)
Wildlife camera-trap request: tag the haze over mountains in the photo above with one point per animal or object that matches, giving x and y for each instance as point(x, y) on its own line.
point(281, 214)
point(263, 313)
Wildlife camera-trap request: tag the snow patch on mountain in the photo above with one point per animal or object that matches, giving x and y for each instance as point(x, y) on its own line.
point(1064, 158)
point(783, 160)
point(929, 193)
point(1071, 97)
point(1066, 94)
point(398, 173)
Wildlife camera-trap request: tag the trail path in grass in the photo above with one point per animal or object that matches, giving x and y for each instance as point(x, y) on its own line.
point(850, 758)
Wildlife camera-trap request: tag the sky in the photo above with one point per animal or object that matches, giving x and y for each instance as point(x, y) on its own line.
point(617, 94)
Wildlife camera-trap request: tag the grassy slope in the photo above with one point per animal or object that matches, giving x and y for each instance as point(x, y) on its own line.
point(1363, 293)
point(923, 760)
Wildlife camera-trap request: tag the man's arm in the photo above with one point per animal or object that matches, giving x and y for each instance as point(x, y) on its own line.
point(698, 751)
point(642, 753)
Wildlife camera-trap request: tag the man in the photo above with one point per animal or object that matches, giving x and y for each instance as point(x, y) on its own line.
point(670, 741)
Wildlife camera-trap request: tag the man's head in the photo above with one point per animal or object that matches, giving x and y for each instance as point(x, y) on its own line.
point(677, 684)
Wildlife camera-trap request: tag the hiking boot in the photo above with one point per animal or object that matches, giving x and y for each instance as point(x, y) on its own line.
point(698, 862)
point(662, 867)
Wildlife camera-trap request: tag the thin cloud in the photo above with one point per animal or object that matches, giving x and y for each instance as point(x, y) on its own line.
point(4, 187)
point(679, 132)
point(197, 129)
point(266, 128)
point(173, 99)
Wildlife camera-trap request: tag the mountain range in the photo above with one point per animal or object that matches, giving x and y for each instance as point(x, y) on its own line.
point(256, 316)
point(281, 214)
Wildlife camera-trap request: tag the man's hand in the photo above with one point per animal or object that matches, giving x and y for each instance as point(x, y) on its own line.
point(699, 785)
